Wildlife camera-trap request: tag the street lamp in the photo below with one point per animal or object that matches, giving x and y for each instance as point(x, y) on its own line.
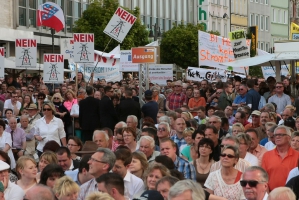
point(156, 33)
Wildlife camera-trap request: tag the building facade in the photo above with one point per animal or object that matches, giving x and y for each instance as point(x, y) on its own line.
point(259, 12)
point(239, 14)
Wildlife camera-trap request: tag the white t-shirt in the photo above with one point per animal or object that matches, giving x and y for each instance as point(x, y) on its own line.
point(269, 146)
point(252, 159)
point(13, 192)
point(7, 104)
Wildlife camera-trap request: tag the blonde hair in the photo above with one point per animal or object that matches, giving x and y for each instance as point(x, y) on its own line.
point(292, 108)
point(188, 132)
point(153, 166)
point(50, 157)
point(239, 125)
point(282, 193)
point(99, 196)
point(51, 106)
point(188, 114)
point(58, 95)
point(22, 162)
point(64, 186)
point(70, 91)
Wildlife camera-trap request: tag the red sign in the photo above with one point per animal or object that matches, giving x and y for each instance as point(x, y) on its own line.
point(83, 37)
point(144, 55)
point(26, 43)
point(53, 58)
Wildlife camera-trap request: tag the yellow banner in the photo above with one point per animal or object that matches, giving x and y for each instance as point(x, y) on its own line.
point(294, 32)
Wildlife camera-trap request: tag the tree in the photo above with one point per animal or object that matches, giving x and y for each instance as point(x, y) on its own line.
point(180, 45)
point(96, 17)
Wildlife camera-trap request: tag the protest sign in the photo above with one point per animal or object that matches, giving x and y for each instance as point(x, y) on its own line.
point(83, 47)
point(126, 64)
point(199, 74)
point(2, 54)
point(160, 73)
point(238, 43)
point(67, 48)
point(270, 71)
point(26, 53)
point(120, 24)
point(53, 68)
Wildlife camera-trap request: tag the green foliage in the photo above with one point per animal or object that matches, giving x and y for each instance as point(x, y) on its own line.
point(97, 16)
point(255, 71)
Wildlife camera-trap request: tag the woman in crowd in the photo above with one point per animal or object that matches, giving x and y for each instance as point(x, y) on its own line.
point(74, 144)
point(245, 142)
point(81, 80)
point(26, 169)
point(204, 161)
point(154, 172)
point(115, 100)
point(49, 128)
point(40, 101)
point(129, 135)
point(169, 164)
point(6, 144)
point(225, 182)
point(45, 159)
point(66, 189)
point(295, 140)
point(138, 164)
point(51, 174)
point(26, 102)
point(4, 157)
point(237, 128)
point(8, 114)
point(69, 100)
point(187, 134)
point(186, 116)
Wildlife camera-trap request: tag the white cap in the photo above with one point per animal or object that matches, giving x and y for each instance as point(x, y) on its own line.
point(3, 165)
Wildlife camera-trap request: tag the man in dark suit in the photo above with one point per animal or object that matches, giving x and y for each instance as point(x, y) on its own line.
point(129, 107)
point(65, 159)
point(108, 115)
point(89, 115)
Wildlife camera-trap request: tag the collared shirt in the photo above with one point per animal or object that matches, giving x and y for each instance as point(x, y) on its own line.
point(250, 125)
point(13, 192)
point(52, 131)
point(73, 175)
point(68, 104)
point(239, 99)
point(178, 141)
point(19, 137)
point(231, 120)
point(185, 167)
point(72, 165)
point(265, 196)
point(294, 172)
point(30, 140)
point(251, 159)
point(133, 185)
point(259, 152)
point(278, 168)
point(87, 188)
point(153, 156)
point(281, 102)
point(34, 118)
point(176, 100)
point(269, 145)
point(241, 165)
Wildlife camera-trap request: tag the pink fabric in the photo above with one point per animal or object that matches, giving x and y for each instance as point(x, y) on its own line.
point(69, 104)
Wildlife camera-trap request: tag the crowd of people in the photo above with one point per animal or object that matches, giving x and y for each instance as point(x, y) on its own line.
point(186, 140)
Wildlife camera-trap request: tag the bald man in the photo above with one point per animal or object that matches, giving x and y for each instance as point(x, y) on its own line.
point(44, 193)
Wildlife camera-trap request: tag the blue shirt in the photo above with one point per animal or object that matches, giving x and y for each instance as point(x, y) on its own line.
point(253, 99)
point(178, 141)
point(239, 99)
point(185, 167)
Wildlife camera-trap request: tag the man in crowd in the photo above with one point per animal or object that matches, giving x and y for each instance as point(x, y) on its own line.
point(132, 121)
point(240, 117)
point(113, 184)
point(33, 114)
point(101, 138)
point(178, 138)
point(164, 184)
point(252, 96)
point(108, 115)
point(39, 192)
point(217, 122)
point(201, 115)
point(225, 98)
point(261, 130)
point(147, 146)
point(229, 114)
point(65, 159)
point(255, 116)
point(163, 131)
point(255, 148)
point(151, 107)
point(280, 98)
point(176, 99)
point(128, 106)
point(240, 100)
point(212, 133)
point(13, 104)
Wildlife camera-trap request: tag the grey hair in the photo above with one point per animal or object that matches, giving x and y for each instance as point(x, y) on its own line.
point(134, 118)
point(148, 138)
point(282, 193)
point(270, 124)
point(12, 118)
point(232, 138)
point(82, 89)
point(24, 116)
point(270, 107)
point(218, 118)
point(166, 124)
point(168, 91)
point(164, 119)
point(123, 124)
point(287, 129)
point(234, 149)
point(155, 88)
point(98, 132)
point(245, 137)
point(181, 186)
point(108, 157)
point(265, 176)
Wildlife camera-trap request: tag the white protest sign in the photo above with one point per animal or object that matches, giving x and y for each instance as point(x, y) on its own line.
point(83, 47)
point(199, 74)
point(67, 47)
point(120, 24)
point(160, 73)
point(53, 68)
point(238, 43)
point(26, 53)
point(2, 54)
point(270, 71)
point(126, 64)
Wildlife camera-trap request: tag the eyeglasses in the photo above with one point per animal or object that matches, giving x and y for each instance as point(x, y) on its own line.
point(213, 122)
point(161, 129)
point(30, 90)
point(95, 160)
point(72, 145)
point(56, 98)
point(227, 155)
point(280, 135)
point(47, 109)
point(251, 183)
point(204, 146)
point(41, 98)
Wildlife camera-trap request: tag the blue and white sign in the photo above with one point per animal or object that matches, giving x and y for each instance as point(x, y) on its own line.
point(270, 71)
point(126, 64)
point(67, 48)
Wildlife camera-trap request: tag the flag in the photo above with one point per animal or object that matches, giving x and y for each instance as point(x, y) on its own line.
point(51, 15)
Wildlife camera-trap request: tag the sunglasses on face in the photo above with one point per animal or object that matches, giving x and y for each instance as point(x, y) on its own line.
point(47, 109)
point(41, 98)
point(161, 129)
point(251, 183)
point(227, 155)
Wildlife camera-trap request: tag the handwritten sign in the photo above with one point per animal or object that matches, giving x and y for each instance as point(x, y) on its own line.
point(238, 42)
point(199, 74)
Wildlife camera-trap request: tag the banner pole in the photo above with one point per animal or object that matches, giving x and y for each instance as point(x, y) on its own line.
point(76, 90)
point(98, 60)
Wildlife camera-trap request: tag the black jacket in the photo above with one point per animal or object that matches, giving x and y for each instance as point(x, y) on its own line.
point(108, 115)
point(129, 107)
point(89, 113)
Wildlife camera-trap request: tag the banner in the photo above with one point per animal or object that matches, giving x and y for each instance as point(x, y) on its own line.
point(2, 54)
point(294, 31)
point(253, 31)
point(126, 64)
point(238, 42)
point(160, 73)
point(199, 74)
point(67, 48)
point(26, 53)
point(83, 47)
point(214, 50)
point(53, 68)
point(269, 71)
point(120, 24)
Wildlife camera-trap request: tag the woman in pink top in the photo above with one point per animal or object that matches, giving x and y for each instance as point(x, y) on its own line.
point(69, 100)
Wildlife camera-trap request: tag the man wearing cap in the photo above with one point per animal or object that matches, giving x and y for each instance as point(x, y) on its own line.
point(11, 190)
point(33, 114)
point(255, 116)
point(151, 107)
point(177, 99)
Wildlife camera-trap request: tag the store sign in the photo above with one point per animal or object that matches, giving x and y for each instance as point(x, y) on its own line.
point(144, 55)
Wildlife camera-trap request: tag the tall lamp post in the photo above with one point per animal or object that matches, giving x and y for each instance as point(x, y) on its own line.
point(156, 33)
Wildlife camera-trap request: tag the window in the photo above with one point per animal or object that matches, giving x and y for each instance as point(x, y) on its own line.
point(262, 23)
point(278, 16)
point(259, 45)
point(257, 20)
point(266, 2)
point(213, 26)
point(267, 47)
point(262, 46)
point(225, 30)
point(266, 23)
point(219, 27)
point(218, 2)
point(273, 15)
point(285, 17)
point(251, 22)
point(224, 3)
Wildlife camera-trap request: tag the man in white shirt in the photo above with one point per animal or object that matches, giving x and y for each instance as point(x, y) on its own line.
point(133, 184)
point(255, 183)
point(65, 159)
point(12, 191)
point(13, 104)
